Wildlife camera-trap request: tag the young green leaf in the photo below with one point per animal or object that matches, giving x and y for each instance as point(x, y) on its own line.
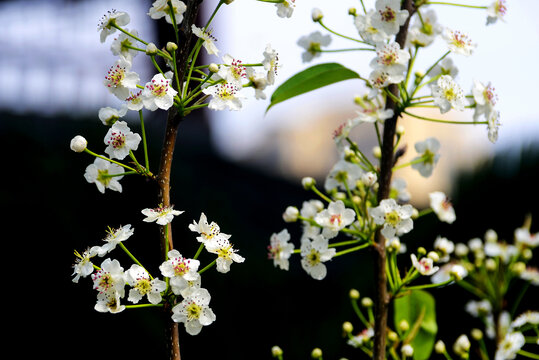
point(310, 79)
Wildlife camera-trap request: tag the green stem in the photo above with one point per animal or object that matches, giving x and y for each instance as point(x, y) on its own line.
point(343, 243)
point(453, 4)
point(110, 160)
point(347, 251)
point(128, 33)
point(173, 18)
point(122, 246)
point(428, 286)
point(341, 35)
point(319, 193)
point(139, 306)
point(411, 65)
point(343, 50)
point(208, 266)
point(221, 2)
point(359, 314)
point(156, 65)
point(198, 251)
point(446, 121)
point(144, 143)
point(528, 354)
point(417, 161)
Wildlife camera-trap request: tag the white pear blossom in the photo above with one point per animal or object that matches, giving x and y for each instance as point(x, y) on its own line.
point(226, 254)
point(209, 40)
point(441, 205)
point(110, 278)
point(312, 44)
point(122, 45)
point(398, 189)
point(462, 346)
point(309, 209)
point(313, 255)
point(496, 11)
point(528, 317)
point(379, 78)
point(139, 279)
point(194, 311)
point(119, 79)
point(161, 215)
point(158, 93)
point(107, 21)
point(113, 238)
point(161, 8)
point(524, 238)
point(390, 61)
point(207, 231)
point(425, 265)
point(291, 214)
point(485, 98)
point(285, 9)
point(444, 67)
point(134, 101)
point(428, 154)
point(109, 115)
point(120, 140)
point(530, 274)
point(224, 96)
point(270, 63)
point(448, 94)
point(396, 219)
point(180, 270)
point(372, 115)
point(509, 346)
point(388, 16)
point(232, 71)
point(83, 264)
point(444, 247)
point(361, 338)
point(367, 31)
point(280, 249)
point(104, 175)
point(109, 302)
point(480, 308)
point(424, 30)
point(493, 123)
point(343, 175)
point(258, 81)
point(458, 42)
point(335, 218)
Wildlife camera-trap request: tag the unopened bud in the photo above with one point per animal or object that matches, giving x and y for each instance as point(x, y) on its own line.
point(490, 264)
point(228, 2)
point(352, 11)
point(404, 325)
point(433, 255)
point(317, 15)
point(316, 353)
point(439, 347)
point(171, 46)
point(291, 214)
point(353, 294)
point(151, 49)
point(491, 236)
point(421, 251)
point(400, 130)
point(369, 178)
point(78, 144)
point(407, 350)
point(308, 182)
point(366, 302)
point(213, 67)
point(477, 334)
point(415, 213)
point(347, 327)
point(518, 267)
point(392, 336)
point(276, 351)
point(377, 152)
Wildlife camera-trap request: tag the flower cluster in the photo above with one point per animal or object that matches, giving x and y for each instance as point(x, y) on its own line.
point(181, 284)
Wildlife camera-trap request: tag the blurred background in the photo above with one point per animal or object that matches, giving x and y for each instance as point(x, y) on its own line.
point(241, 168)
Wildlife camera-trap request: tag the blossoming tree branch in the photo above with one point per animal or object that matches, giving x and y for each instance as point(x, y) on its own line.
point(180, 86)
point(361, 205)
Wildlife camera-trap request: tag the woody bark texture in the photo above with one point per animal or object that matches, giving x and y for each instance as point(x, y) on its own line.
point(174, 117)
point(382, 298)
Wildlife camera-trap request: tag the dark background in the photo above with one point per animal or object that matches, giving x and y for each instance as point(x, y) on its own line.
point(52, 211)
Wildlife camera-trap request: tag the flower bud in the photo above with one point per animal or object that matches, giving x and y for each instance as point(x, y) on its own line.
point(347, 327)
point(317, 15)
point(518, 267)
point(369, 178)
point(461, 345)
point(491, 236)
point(421, 251)
point(490, 264)
point(366, 302)
point(291, 214)
point(151, 49)
point(461, 250)
point(439, 347)
point(352, 11)
point(78, 144)
point(404, 325)
point(276, 351)
point(316, 353)
point(415, 214)
point(353, 294)
point(340, 196)
point(407, 350)
point(392, 336)
point(458, 272)
point(377, 152)
point(171, 46)
point(433, 255)
point(400, 130)
point(308, 182)
point(477, 334)
point(213, 67)
point(228, 2)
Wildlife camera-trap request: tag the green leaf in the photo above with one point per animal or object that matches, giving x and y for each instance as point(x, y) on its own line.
point(418, 308)
point(310, 79)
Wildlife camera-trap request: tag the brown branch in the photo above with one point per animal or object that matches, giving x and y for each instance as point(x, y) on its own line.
point(382, 299)
point(175, 116)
